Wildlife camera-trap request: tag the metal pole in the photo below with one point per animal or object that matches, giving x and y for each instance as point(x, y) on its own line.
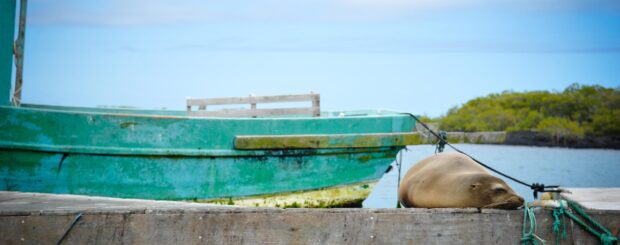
point(7, 38)
point(19, 54)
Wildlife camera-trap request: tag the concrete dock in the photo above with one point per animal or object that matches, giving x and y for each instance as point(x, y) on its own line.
point(28, 218)
point(595, 198)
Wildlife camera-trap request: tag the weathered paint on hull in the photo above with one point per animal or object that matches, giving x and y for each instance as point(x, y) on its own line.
point(184, 178)
point(334, 197)
point(139, 154)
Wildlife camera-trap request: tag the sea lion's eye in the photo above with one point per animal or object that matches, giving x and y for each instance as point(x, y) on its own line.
point(499, 190)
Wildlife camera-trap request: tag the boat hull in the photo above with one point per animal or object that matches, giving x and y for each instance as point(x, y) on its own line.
point(187, 178)
point(168, 155)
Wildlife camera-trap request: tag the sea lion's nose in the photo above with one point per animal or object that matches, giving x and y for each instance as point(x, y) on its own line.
point(521, 200)
point(515, 202)
point(518, 201)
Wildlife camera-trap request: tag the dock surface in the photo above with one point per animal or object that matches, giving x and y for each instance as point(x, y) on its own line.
point(595, 198)
point(28, 218)
point(25, 203)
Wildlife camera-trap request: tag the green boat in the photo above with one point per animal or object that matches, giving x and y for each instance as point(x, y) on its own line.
point(269, 157)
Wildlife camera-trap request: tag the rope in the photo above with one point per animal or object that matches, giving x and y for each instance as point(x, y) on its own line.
point(557, 213)
point(530, 236)
point(75, 220)
point(536, 187)
point(399, 163)
point(604, 236)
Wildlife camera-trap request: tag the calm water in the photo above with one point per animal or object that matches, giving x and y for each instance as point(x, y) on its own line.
point(565, 167)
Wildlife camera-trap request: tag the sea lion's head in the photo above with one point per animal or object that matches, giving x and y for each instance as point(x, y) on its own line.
point(493, 192)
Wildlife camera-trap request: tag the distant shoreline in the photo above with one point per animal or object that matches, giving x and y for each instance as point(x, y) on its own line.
point(533, 138)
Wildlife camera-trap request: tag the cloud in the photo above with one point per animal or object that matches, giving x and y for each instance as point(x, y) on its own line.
point(499, 4)
point(385, 45)
point(116, 12)
point(164, 12)
point(407, 4)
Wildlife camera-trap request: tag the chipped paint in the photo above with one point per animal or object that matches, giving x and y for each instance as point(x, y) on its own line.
point(183, 178)
point(128, 124)
point(341, 196)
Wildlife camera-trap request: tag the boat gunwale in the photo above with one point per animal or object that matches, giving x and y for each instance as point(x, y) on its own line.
point(195, 151)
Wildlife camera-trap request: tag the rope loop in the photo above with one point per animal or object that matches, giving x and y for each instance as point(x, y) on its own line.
point(606, 237)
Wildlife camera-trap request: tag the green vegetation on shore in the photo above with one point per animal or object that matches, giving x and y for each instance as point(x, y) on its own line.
point(577, 111)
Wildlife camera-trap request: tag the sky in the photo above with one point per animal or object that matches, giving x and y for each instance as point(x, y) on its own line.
point(420, 56)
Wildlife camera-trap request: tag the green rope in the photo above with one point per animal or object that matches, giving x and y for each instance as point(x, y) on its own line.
point(557, 213)
point(604, 236)
point(529, 236)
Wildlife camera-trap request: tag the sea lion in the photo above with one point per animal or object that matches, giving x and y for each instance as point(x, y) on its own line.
point(453, 180)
